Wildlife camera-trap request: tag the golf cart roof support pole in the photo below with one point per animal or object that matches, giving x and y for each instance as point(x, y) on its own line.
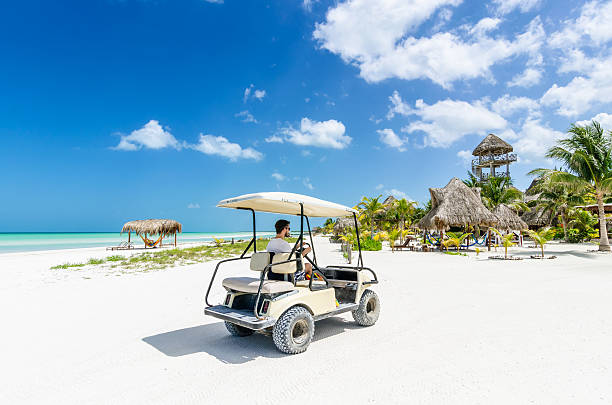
point(254, 230)
point(314, 254)
point(360, 260)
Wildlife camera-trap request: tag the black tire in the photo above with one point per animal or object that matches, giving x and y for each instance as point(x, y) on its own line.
point(294, 330)
point(369, 309)
point(237, 330)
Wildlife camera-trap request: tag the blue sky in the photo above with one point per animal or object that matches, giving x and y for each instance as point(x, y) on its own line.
point(114, 110)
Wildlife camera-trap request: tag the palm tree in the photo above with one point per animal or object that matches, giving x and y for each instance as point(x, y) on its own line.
point(370, 207)
point(541, 237)
point(404, 210)
point(472, 181)
point(587, 155)
point(455, 239)
point(583, 221)
point(499, 190)
point(557, 198)
point(506, 241)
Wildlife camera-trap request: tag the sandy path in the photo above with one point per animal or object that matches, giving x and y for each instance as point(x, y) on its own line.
point(452, 330)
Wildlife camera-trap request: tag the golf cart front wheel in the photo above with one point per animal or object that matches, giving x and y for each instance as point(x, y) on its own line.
point(369, 309)
point(237, 330)
point(293, 331)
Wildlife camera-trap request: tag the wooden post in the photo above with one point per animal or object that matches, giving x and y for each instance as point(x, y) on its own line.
point(129, 236)
point(174, 239)
point(507, 165)
point(489, 239)
point(441, 239)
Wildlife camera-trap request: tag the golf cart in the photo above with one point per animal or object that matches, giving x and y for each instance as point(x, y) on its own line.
point(284, 307)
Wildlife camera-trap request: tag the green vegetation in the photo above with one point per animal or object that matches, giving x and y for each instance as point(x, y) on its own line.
point(67, 266)
point(506, 241)
point(369, 244)
point(587, 156)
point(541, 237)
point(455, 239)
point(160, 259)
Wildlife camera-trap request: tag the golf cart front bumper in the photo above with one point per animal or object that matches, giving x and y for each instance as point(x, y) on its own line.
point(241, 317)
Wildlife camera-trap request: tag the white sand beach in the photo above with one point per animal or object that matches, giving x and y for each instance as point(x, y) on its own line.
point(452, 329)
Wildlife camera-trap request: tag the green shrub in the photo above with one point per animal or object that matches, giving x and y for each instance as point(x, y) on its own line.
point(369, 244)
point(95, 261)
point(115, 258)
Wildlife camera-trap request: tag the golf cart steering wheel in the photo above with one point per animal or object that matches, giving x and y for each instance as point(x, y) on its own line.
point(303, 247)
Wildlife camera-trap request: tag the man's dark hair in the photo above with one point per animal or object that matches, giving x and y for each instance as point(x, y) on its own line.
point(280, 225)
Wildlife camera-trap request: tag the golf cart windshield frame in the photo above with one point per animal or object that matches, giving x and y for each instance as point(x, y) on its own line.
point(294, 251)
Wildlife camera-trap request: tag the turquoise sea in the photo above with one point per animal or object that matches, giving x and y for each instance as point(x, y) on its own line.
point(23, 242)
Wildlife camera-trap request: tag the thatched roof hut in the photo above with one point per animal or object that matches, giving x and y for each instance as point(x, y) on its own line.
point(153, 227)
point(537, 217)
point(492, 145)
point(343, 224)
point(456, 205)
point(508, 220)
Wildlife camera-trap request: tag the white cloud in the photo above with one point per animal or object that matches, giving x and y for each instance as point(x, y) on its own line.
point(535, 138)
point(529, 77)
point(484, 26)
point(259, 94)
point(398, 194)
point(278, 177)
point(246, 116)
point(307, 4)
point(507, 6)
point(390, 138)
point(380, 187)
point(465, 156)
point(306, 182)
point(306, 153)
point(592, 27)
point(274, 139)
point(582, 92)
point(398, 106)
point(373, 36)
point(252, 92)
point(150, 136)
point(603, 118)
point(218, 145)
point(193, 206)
point(508, 106)
point(449, 120)
point(323, 134)
point(575, 60)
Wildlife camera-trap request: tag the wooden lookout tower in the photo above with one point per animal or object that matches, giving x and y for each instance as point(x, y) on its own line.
point(492, 153)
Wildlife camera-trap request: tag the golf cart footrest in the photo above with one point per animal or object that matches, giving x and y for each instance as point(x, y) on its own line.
point(242, 317)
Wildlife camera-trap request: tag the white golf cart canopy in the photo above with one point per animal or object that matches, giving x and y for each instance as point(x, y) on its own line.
point(287, 203)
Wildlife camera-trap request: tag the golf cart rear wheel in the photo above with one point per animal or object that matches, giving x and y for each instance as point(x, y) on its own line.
point(237, 330)
point(369, 309)
point(293, 331)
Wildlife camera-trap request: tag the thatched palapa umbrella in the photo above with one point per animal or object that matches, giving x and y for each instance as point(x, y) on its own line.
point(455, 205)
point(144, 227)
point(508, 220)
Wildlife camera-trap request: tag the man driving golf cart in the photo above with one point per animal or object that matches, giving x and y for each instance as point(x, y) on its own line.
point(278, 244)
point(275, 301)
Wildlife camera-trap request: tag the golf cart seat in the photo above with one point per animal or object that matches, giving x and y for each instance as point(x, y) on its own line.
point(259, 262)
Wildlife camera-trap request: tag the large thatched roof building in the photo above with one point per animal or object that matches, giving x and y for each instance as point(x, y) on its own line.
point(508, 220)
point(456, 205)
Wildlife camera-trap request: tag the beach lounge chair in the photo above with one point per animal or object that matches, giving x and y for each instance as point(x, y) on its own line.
point(404, 245)
point(121, 246)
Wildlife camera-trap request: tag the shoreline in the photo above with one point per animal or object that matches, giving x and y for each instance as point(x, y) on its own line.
point(107, 240)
